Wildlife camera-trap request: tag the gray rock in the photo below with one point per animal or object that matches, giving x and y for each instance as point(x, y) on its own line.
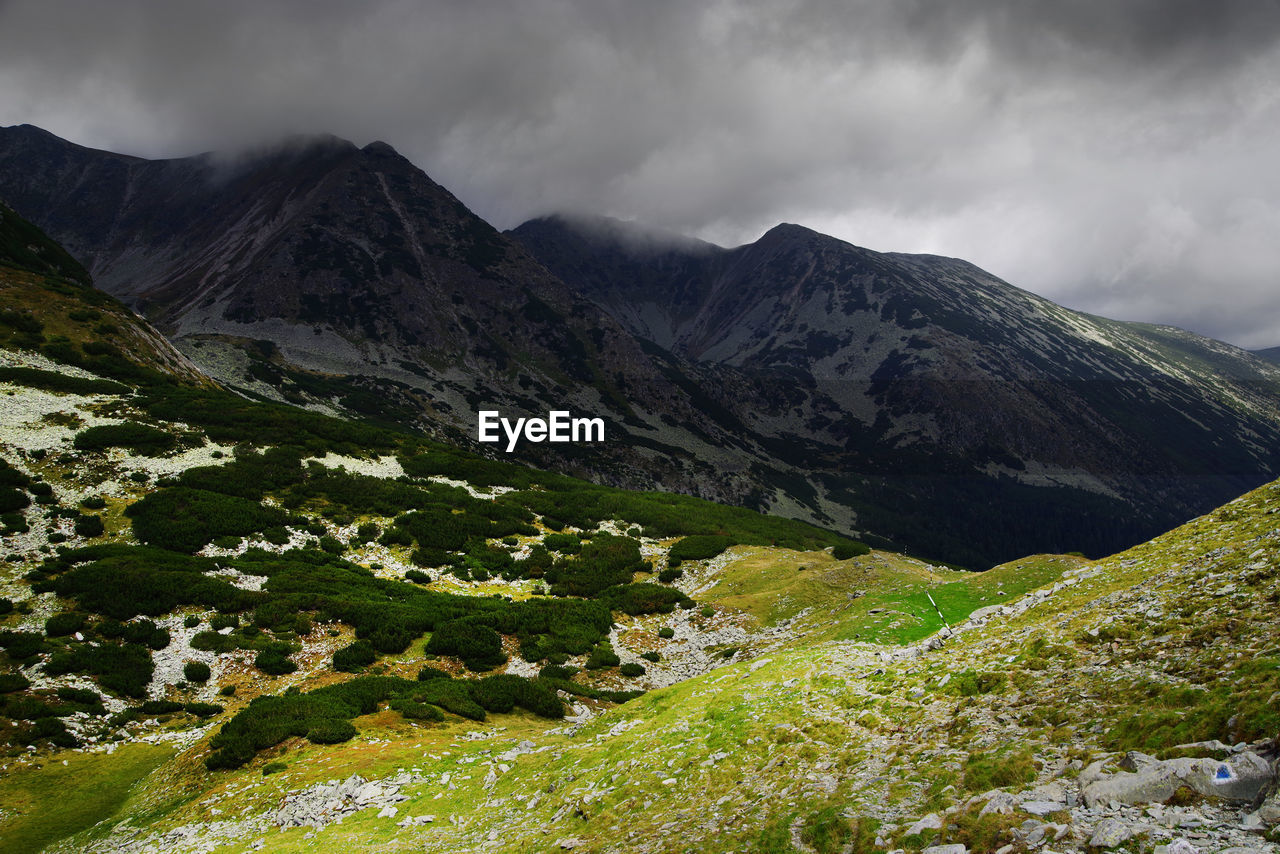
point(954, 848)
point(1000, 802)
point(1031, 832)
point(1270, 809)
point(1043, 808)
point(1136, 761)
point(1109, 833)
point(930, 822)
point(1240, 778)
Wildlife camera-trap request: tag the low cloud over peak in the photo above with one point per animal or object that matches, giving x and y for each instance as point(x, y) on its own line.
point(1116, 157)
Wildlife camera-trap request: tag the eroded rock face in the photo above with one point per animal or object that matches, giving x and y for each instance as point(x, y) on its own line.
point(1240, 778)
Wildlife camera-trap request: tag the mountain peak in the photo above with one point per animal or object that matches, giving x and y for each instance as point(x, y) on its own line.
point(380, 148)
point(28, 130)
point(789, 231)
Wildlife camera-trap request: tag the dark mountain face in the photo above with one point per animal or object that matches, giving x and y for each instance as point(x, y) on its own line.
point(911, 397)
point(1271, 354)
point(937, 388)
point(343, 277)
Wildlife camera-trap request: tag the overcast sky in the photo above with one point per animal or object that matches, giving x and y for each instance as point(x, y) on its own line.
point(1118, 156)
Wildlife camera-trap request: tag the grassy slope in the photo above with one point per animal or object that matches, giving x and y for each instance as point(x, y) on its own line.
point(879, 597)
point(55, 801)
point(831, 723)
point(76, 313)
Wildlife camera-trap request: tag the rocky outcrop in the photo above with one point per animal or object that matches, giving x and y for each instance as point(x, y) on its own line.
point(327, 803)
point(1241, 777)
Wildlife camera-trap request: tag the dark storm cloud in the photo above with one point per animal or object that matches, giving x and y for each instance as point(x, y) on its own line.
point(1116, 156)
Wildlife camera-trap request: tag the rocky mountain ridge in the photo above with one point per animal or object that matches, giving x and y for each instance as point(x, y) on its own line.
point(329, 275)
point(909, 398)
point(885, 365)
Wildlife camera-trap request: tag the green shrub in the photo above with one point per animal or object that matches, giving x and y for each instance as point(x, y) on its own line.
point(13, 499)
point(191, 621)
point(196, 671)
point(564, 543)
point(478, 645)
point(152, 708)
point(604, 562)
point(276, 536)
point(354, 657)
point(10, 682)
point(666, 632)
point(184, 519)
point(21, 645)
point(109, 629)
point(203, 710)
point(273, 659)
point(55, 731)
point(210, 641)
point(89, 699)
point(631, 669)
point(844, 551)
point(417, 576)
point(400, 537)
point(428, 672)
point(139, 438)
point(224, 621)
point(417, 711)
point(503, 692)
point(323, 716)
point(53, 381)
point(138, 631)
point(89, 526)
point(637, 599)
point(124, 581)
point(123, 668)
point(651, 656)
point(61, 625)
point(670, 574)
point(273, 768)
point(331, 732)
point(332, 545)
point(699, 547)
point(601, 657)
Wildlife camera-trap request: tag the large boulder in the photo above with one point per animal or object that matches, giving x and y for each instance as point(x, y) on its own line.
point(1240, 778)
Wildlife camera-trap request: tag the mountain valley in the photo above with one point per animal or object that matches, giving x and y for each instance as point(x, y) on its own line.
point(232, 623)
point(906, 400)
